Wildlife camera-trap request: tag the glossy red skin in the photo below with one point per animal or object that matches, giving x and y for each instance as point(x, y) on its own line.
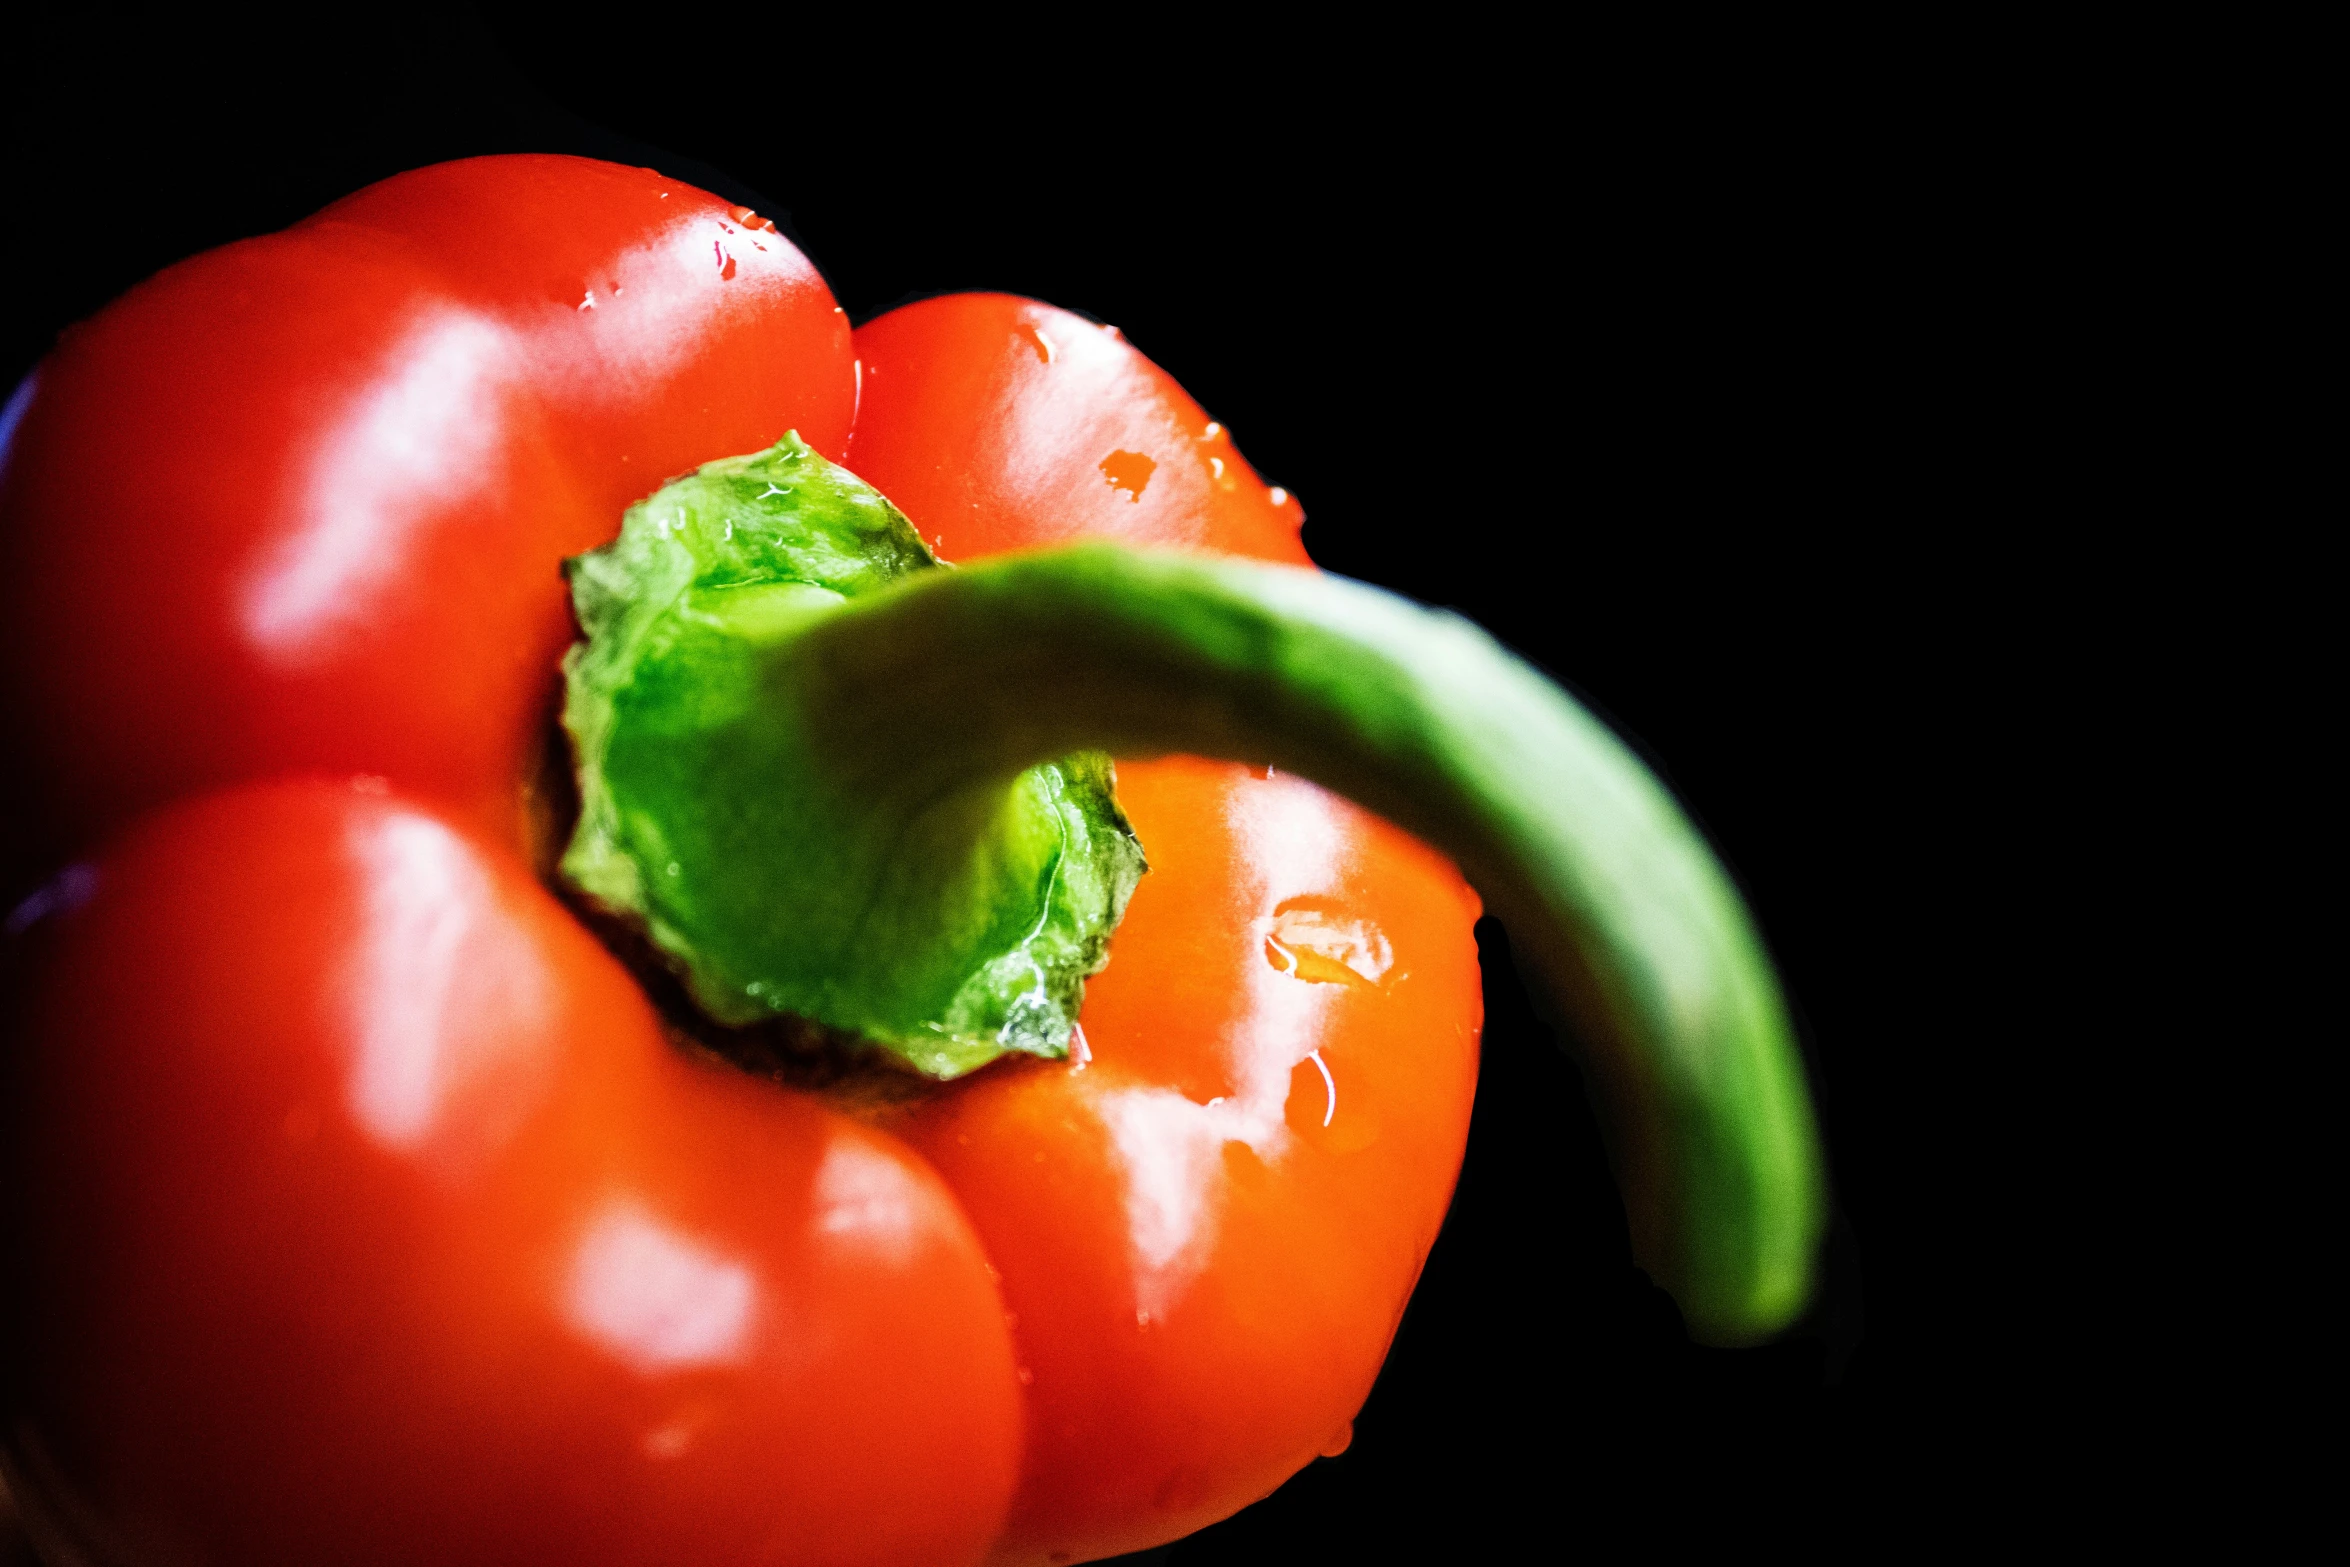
point(270, 1347)
point(299, 502)
point(375, 1219)
point(1000, 423)
point(1204, 1278)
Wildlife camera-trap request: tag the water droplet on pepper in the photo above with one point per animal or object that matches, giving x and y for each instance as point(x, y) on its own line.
point(1129, 471)
point(1315, 940)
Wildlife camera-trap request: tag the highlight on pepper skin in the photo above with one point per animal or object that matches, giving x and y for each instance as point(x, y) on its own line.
point(377, 1189)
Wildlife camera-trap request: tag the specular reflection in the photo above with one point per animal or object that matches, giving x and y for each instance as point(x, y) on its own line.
point(406, 445)
point(656, 1297)
point(1292, 838)
point(440, 987)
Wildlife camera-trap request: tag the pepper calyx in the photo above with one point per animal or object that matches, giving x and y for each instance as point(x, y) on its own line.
point(779, 872)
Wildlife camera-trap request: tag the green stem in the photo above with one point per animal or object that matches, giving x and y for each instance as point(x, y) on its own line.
point(946, 679)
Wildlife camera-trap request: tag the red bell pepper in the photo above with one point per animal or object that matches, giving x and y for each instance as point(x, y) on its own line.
point(365, 1206)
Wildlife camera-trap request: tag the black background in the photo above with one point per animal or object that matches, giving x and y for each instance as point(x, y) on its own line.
point(1655, 356)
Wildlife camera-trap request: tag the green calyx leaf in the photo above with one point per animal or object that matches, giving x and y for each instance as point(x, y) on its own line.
point(792, 868)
